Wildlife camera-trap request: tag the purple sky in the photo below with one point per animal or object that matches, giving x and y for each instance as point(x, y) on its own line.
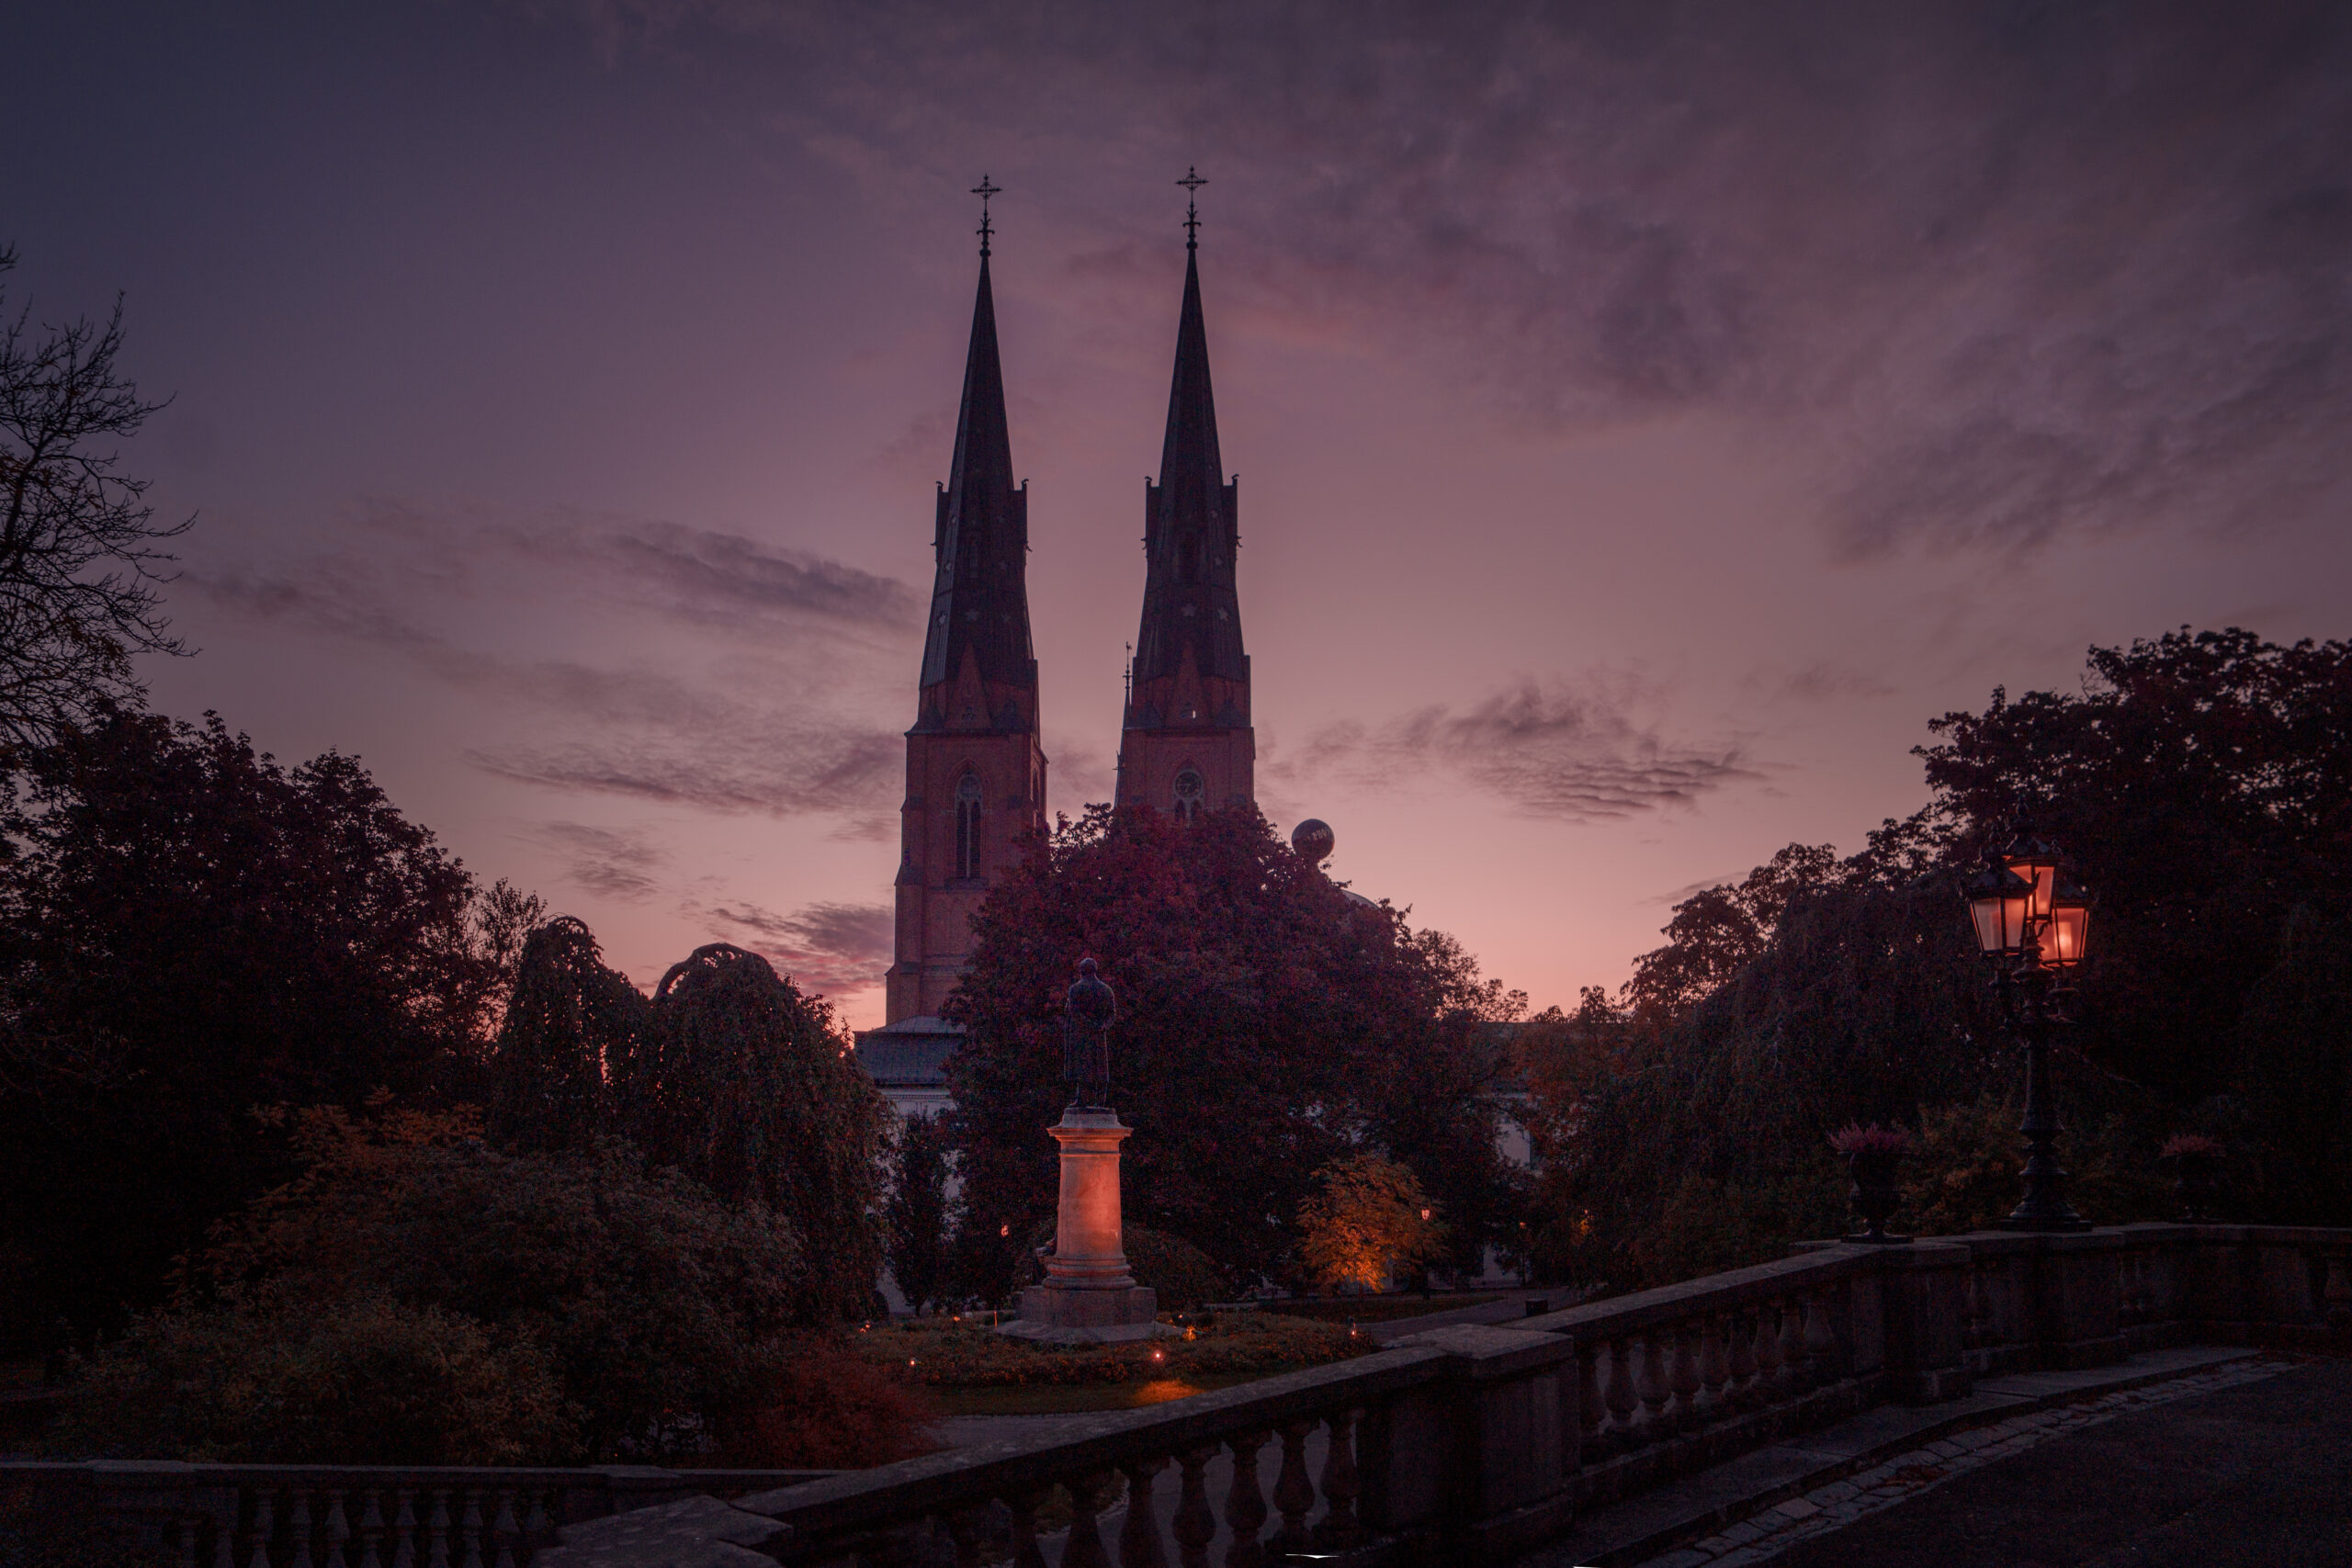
point(1646, 415)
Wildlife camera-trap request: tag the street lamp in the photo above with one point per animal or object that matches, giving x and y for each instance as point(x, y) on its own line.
point(2033, 925)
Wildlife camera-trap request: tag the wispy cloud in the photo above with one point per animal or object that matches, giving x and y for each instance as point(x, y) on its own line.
point(738, 722)
point(824, 947)
point(2017, 272)
point(1576, 752)
point(608, 862)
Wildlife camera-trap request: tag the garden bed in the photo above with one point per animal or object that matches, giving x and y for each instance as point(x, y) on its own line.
point(967, 1370)
point(1378, 1309)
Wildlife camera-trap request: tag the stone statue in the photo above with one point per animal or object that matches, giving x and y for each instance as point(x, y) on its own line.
point(1086, 1048)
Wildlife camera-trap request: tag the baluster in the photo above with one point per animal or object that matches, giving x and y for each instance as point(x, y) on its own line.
point(1618, 1395)
point(1820, 1343)
point(225, 1532)
point(505, 1528)
point(338, 1531)
point(2336, 1295)
point(1194, 1526)
point(1590, 1410)
point(298, 1530)
point(1022, 1506)
point(437, 1530)
point(371, 1530)
point(1772, 1378)
point(1793, 1363)
point(265, 1523)
point(1650, 1381)
point(1245, 1505)
point(963, 1529)
point(1714, 1366)
point(1293, 1493)
point(537, 1528)
point(1684, 1378)
point(187, 1543)
point(404, 1530)
point(1139, 1537)
point(1341, 1529)
point(1972, 1328)
point(1745, 1394)
point(469, 1531)
point(1088, 1494)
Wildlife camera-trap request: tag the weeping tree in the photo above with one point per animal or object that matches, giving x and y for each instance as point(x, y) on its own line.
point(750, 1087)
point(568, 1018)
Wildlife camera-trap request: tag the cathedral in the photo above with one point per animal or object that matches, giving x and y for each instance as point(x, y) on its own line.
point(975, 772)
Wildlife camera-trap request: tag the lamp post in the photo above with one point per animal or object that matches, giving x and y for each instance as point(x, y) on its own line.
point(2033, 926)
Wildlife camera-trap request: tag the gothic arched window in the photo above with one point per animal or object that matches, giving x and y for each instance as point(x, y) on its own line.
point(967, 825)
point(1188, 797)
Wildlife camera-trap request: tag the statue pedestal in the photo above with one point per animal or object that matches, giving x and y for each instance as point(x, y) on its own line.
point(1088, 1294)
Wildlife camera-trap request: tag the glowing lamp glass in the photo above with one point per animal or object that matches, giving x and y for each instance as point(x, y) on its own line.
point(2062, 945)
point(2000, 904)
point(2035, 863)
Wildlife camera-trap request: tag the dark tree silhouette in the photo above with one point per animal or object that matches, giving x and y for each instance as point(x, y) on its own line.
point(568, 1018)
point(917, 1210)
point(750, 1087)
point(188, 930)
point(79, 552)
point(1268, 1025)
point(2201, 786)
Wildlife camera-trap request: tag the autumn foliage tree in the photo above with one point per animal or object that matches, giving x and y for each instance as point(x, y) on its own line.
point(1268, 1025)
point(1366, 1218)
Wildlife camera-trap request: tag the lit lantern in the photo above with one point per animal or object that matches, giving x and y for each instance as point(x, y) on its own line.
point(2001, 903)
point(2070, 927)
point(2035, 862)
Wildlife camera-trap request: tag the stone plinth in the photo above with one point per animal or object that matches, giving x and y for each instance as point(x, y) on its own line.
point(1088, 1294)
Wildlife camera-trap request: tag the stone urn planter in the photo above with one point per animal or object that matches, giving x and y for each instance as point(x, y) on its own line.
point(2196, 1165)
point(1872, 1156)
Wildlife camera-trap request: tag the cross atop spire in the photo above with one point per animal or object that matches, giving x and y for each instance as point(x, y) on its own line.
point(1192, 182)
point(985, 190)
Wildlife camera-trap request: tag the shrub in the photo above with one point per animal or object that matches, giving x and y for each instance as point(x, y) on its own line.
point(816, 1404)
point(361, 1381)
point(648, 1296)
point(1181, 1273)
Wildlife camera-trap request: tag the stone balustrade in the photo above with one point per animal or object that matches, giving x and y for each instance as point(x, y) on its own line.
point(275, 1516)
point(1459, 1444)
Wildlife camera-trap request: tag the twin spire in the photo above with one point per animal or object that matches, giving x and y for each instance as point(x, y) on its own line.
point(979, 601)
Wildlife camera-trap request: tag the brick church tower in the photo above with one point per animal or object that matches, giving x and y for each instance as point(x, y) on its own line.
point(975, 775)
point(1187, 745)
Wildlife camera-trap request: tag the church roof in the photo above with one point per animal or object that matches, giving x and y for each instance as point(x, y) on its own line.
point(979, 596)
point(909, 1054)
point(1190, 534)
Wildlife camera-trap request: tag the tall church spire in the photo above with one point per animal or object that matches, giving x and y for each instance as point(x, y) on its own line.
point(979, 601)
point(1188, 717)
point(975, 775)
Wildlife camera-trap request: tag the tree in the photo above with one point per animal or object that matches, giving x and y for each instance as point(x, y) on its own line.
point(751, 1088)
point(917, 1210)
point(569, 1023)
point(2201, 784)
point(190, 929)
point(1268, 1024)
point(79, 552)
point(1367, 1218)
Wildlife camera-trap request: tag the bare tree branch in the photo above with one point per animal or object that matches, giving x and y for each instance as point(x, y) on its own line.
point(81, 566)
